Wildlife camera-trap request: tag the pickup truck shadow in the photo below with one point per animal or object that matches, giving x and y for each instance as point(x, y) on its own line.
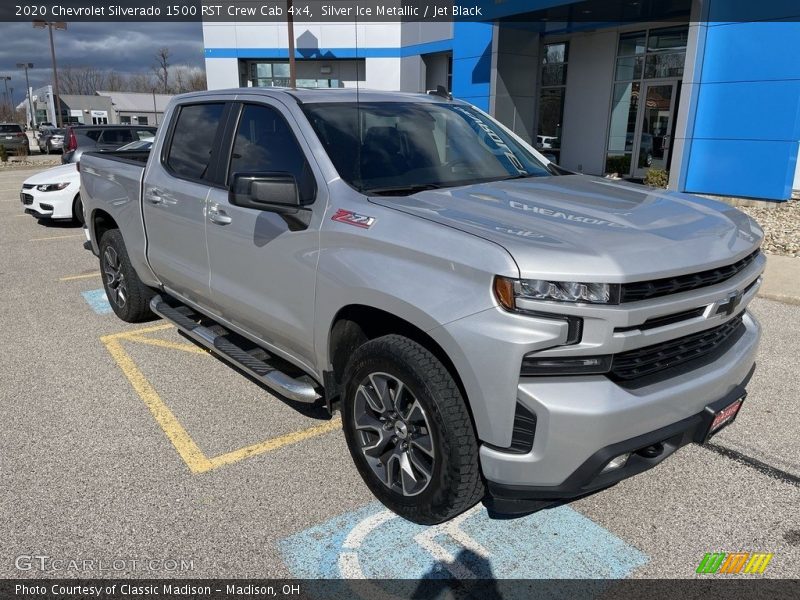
point(315, 411)
point(59, 224)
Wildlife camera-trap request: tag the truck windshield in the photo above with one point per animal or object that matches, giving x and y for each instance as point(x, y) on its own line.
point(399, 148)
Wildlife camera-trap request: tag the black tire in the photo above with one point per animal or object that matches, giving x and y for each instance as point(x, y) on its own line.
point(77, 210)
point(454, 482)
point(133, 305)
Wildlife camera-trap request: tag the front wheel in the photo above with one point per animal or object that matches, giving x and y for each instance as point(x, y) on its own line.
point(409, 431)
point(128, 296)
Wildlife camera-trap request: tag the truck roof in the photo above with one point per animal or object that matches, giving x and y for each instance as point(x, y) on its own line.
point(314, 95)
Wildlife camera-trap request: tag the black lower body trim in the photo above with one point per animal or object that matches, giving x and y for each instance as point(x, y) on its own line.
point(647, 450)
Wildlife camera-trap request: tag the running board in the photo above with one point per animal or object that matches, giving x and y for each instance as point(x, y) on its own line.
point(271, 377)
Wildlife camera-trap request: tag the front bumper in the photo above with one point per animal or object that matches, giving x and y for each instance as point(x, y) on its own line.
point(646, 451)
point(49, 205)
point(584, 421)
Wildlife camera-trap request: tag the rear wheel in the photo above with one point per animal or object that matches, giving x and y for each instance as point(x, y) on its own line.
point(128, 296)
point(77, 210)
point(409, 431)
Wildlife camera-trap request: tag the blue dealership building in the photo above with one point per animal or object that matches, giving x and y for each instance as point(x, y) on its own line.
point(708, 90)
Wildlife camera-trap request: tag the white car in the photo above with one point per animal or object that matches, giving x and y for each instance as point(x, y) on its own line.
point(54, 194)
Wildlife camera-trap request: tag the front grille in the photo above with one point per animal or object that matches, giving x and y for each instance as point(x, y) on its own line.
point(28, 186)
point(642, 290)
point(649, 360)
point(27, 199)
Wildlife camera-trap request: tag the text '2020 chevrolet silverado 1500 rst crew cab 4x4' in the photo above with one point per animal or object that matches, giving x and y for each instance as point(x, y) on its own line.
point(491, 327)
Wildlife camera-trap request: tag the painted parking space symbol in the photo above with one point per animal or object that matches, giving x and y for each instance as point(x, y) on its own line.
point(374, 543)
point(97, 301)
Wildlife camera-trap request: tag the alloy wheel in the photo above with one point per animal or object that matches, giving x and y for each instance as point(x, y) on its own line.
point(116, 285)
point(394, 434)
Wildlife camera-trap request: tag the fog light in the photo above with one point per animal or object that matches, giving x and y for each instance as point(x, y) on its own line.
point(616, 463)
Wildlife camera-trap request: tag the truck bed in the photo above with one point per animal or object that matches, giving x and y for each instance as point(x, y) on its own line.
point(111, 186)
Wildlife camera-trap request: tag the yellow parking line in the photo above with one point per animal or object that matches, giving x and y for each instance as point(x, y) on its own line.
point(275, 443)
point(183, 443)
point(86, 276)
point(125, 334)
point(188, 450)
point(166, 344)
point(56, 237)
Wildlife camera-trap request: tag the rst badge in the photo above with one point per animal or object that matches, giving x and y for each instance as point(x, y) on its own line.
point(351, 218)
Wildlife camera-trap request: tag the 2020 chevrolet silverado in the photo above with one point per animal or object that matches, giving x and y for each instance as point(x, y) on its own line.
point(491, 326)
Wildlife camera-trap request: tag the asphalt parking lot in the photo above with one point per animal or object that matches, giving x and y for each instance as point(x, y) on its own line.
point(127, 446)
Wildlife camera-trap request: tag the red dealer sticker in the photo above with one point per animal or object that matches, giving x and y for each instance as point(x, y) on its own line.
point(351, 218)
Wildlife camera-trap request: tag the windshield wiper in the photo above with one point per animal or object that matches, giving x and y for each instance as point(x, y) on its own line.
point(402, 190)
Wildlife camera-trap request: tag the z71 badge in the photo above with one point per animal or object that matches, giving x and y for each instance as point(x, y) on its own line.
point(351, 218)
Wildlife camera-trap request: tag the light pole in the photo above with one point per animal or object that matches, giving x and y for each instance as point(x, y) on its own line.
point(290, 26)
point(27, 66)
point(6, 79)
point(61, 26)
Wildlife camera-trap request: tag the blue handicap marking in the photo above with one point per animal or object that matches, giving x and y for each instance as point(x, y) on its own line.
point(374, 543)
point(98, 301)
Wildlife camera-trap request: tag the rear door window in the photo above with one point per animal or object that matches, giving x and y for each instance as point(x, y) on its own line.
point(189, 154)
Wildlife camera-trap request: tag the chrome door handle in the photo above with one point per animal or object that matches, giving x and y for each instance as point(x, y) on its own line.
point(218, 216)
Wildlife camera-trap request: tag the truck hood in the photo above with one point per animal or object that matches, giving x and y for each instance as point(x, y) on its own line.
point(582, 228)
point(60, 174)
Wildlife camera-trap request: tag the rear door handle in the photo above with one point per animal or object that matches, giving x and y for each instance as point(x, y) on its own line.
point(215, 215)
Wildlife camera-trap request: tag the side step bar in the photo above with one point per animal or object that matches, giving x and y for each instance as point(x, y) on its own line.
point(274, 379)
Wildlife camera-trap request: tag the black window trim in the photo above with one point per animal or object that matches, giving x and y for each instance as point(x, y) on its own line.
point(230, 139)
point(211, 178)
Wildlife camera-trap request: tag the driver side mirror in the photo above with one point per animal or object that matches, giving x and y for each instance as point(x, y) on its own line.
point(277, 192)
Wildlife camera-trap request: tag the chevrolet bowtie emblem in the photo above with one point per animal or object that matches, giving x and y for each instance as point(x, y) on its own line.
point(728, 306)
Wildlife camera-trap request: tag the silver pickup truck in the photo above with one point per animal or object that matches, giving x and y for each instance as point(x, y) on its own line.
point(490, 326)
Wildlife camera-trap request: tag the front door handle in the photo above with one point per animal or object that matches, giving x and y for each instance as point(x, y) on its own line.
point(154, 196)
point(215, 215)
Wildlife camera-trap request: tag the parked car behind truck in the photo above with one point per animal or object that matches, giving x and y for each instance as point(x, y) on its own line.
point(490, 326)
point(87, 138)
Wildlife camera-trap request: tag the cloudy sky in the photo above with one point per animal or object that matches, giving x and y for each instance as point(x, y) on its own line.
point(123, 47)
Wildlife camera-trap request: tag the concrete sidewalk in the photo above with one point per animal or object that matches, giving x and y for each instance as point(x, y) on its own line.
point(781, 279)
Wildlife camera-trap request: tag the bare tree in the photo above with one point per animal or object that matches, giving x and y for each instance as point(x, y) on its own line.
point(81, 80)
point(115, 82)
point(141, 82)
point(161, 68)
point(197, 81)
point(187, 79)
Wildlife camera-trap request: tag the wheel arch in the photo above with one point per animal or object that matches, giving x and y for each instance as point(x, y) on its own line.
point(355, 324)
point(100, 221)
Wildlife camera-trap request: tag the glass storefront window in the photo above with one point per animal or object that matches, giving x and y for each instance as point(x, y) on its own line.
point(664, 65)
point(646, 60)
point(632, 43)
point(629, 67)
point(623, 117)
point(551, 99)
point(261, 70)
point(668, 40)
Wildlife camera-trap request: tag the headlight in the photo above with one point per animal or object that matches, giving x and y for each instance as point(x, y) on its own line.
point(51, 187)
point(507, 291)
